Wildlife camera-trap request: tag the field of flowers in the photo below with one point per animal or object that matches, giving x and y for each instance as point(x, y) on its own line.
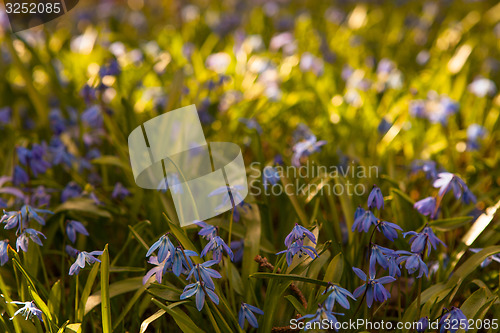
point(370, 133)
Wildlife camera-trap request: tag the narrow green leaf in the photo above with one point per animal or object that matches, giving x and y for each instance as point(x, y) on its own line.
point(450, 223)
point(115, 289)
point(150, 319)
point(288, 277)
point(335, 269)
point(296, 304)
point(43, 307)
point(54, 302)
point(86, 291)
point(185, 323)
point(105, 302)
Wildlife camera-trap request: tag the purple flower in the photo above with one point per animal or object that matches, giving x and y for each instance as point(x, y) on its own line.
point(71, 251)
point(84, 257)
point(389, 229)
point(93, 117)
point(59, 153)
point(384, 126)
point(226, 197)
point(270, 175)
point(113, 69)
point(4, 253)
point(251, 124)
point(455, 315)
point(207, 231)
point(417, 108)
point(339, 294)
point(73, 227)
point(299, 248)
point(374, 288)
point(217, 245)
point(120, 192)
point(72, 190)
point(379, 254)
point(414, 262)
point(305, 148)
point(246, 312)
point(164, 246)
point(28, 310)
point(5, 115)
point(299, 233)
point(447, 181)
point(482, 87)
point(198, 288)
point(423, 324)
point(428, 167)
point(376, 199)
point(202, 272)
point(156, 271)
point(34, 159)
point(426, 207)
point(426, 238)
point(177, 261)
point(23, 239)
point(19, 177)
point(475, 133)
point(40, 197)
point(21, 218)
point(488, 260)
point(364, 220)
point(238, 248)
point(322, 314)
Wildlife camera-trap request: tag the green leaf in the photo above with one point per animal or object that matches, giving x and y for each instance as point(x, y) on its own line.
point(111, 161)
point(288, 277)
point(406, 216)
point(150, 319)
point(474, 303)
point(63, 327)
point(182, 319)
point(450, 223)
point(105, 306)
point(86, 291)
point(334, 270)
point(84, 206)
point(43, 307)
point(74, 328)
point(296, 304)
point(115, 289)
point(54, 302)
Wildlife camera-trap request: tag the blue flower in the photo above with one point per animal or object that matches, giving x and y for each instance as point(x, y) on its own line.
point(482, 87)
point(177, 261)
point(207, 231)
point(217, 245)
point(299, 248)
point(374, 288)
point(84, 257)
point(72, 190)
point(72, 251)
point(4, 251)
point(339, 294)
point(299, 233)
point(455, 315)
point(389, 229)
point(5, 115)
point(475, 133)
point(19, 177)
point(57, 121)
point(33, 158)
point(426, 207)
point(447, 181)
point(112, 68)
point(93, 117)
point(379, 254)
point(422, 324)
point(73, 227)
point(205, 272)
point(251, 124)
point(28, 310)
point(417, 108)
point(198, 288)
point(426, 238)
point(376, 199)
point(59, 153)
point(246, 312)
point(305, 148)
point(164, 246)
point(270, 175)
point(384, 126)
point(40, 197)
point(320, 315)
point(238, 248)
point(119, 192)
point(414, 262)
point(156, 271)
point(227, 192)
point(428, 167)
point(23, 239)
point(364, 220)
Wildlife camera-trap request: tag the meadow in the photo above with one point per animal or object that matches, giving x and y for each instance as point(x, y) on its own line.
point(370, 135)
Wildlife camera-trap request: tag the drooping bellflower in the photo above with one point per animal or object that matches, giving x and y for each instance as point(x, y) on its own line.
point(164, 246)
point(217, 246)
point(73, 227)
point(374, 288)
point(376, 199)
point(247, 312)
point(337, 294)
point(83, 258)
point(420, 240)
point(198, 289)
point(28, 310)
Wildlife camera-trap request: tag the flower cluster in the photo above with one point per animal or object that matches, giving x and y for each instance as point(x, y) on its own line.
point(295, 244)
